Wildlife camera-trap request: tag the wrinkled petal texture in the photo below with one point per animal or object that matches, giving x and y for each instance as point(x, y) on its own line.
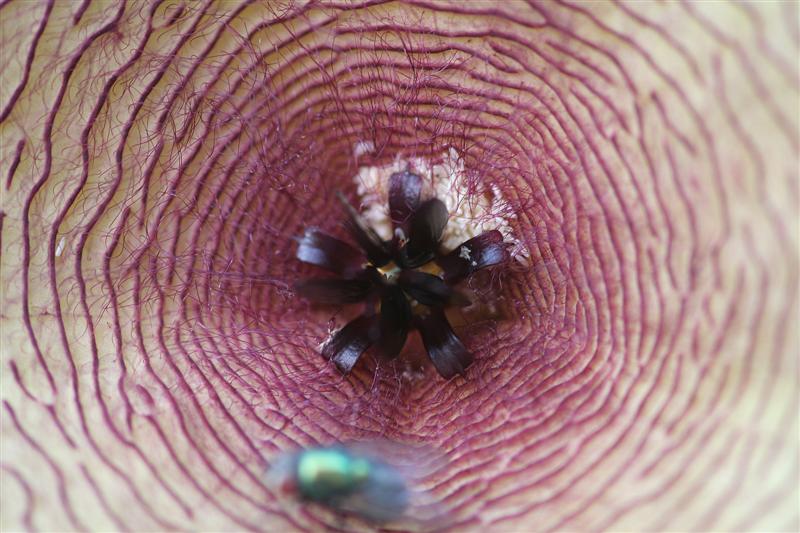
point(160, 159)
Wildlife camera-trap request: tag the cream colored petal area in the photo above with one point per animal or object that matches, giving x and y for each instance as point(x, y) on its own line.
point(153, 362)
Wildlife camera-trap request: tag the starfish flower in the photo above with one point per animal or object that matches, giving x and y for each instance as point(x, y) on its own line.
point(405, 283)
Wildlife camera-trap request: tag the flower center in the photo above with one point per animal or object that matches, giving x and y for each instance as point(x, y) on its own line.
point(390, 272)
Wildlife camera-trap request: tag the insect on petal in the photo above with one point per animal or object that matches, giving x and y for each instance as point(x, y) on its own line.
point(485, 250)
point(395, 321)
point(365, 236)
point(322, 250)
point(382, 497)
point(445, 350)
point(404, 191)
point(427, 225)
point(377, 481)
point(347, 345)
point(429, 289)
point(334, 291)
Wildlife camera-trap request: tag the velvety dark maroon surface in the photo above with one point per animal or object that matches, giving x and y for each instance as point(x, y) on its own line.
point(160, 160)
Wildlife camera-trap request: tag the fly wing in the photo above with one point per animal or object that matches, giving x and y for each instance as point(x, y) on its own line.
point(397, 496)
point(384, 497)
point(393, 496)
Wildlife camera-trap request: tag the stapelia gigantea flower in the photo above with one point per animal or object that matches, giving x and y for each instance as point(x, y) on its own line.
point(405, 283)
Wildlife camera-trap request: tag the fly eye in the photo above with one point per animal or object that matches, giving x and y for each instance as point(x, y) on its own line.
point(288, 487)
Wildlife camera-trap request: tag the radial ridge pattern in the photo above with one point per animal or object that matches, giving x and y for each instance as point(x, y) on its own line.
point(160, 159)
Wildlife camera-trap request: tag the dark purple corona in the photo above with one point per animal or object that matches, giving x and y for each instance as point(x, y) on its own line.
point(404, 283)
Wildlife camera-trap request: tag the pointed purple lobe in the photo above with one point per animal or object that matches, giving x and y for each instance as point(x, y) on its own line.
point(395, 321)
point(347, 345)
point(369, 241)
point(317, 248)
point(485, 250)
point(427, 224)
point(404, 191)
point(334, 291)
point(445, 350)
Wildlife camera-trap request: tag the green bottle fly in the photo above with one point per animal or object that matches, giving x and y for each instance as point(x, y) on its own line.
point(328, 473)
point(345, 481)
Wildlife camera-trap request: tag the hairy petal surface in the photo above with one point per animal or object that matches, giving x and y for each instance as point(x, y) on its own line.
point(160, 159)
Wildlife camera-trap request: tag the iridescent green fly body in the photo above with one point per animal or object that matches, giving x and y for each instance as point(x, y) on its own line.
point(326, 473)
point(345, 481)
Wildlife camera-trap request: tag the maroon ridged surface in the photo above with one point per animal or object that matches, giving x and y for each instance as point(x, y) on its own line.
point(159, 159)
